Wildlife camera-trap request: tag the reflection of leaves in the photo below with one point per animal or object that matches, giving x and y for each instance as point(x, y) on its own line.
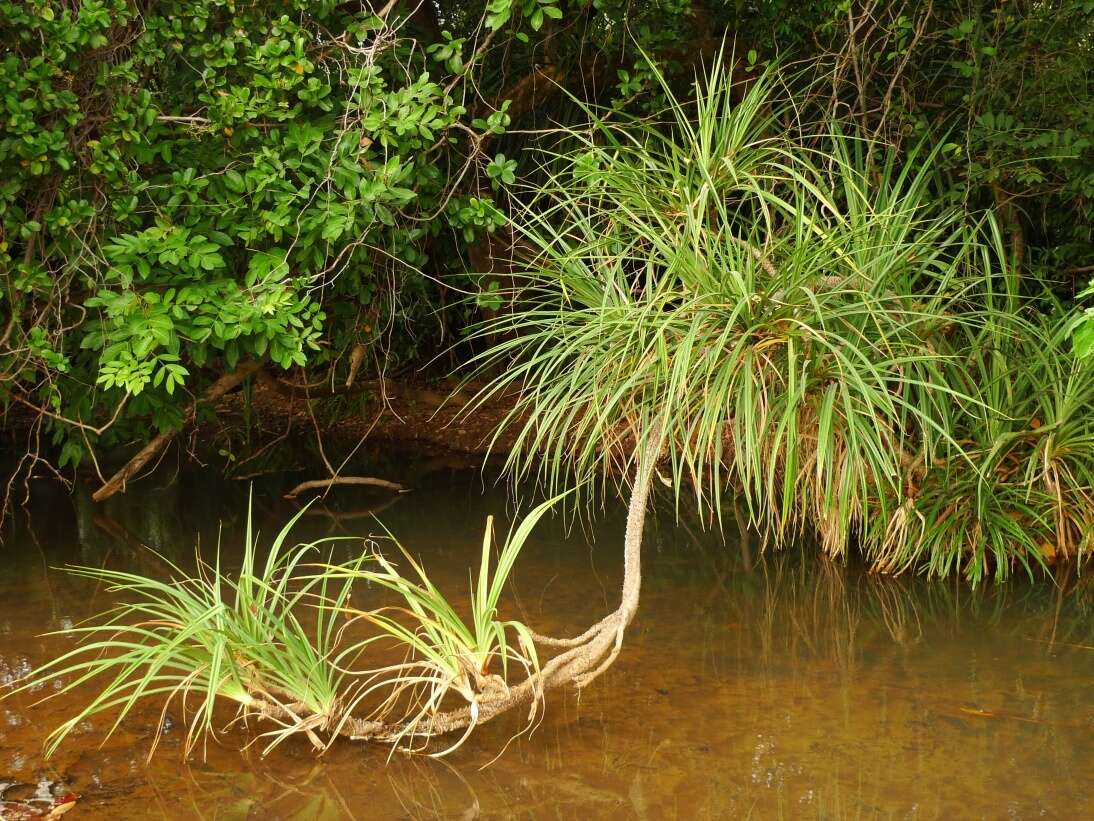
point(243, 808)
point(270, 792)
point(190, 793)
point(319, 808)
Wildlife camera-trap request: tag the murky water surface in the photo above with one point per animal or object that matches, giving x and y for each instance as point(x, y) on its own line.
point(749, 687)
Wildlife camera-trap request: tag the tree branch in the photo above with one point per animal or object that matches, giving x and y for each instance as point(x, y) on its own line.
point(117, 482)
point(368, 481)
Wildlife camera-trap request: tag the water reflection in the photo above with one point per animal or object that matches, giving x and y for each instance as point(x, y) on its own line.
point(752, 685)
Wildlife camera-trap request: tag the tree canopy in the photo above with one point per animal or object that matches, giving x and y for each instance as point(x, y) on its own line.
point(327, 186)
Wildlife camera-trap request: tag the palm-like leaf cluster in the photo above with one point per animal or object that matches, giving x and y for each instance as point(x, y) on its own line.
point(444, 654)
point(279, 641)
point(1023, 493)
point(803, 321)
point(206, 638)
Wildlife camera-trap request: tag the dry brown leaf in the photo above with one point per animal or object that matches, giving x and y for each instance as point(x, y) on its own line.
point(63, 805)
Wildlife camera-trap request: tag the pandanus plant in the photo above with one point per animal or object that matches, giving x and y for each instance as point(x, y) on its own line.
point(443, 653)
point(751, 306)
point(277, 641)
point(209, 638)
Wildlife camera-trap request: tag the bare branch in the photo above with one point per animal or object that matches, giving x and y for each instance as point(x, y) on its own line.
point(313, 484)
point(117, 482)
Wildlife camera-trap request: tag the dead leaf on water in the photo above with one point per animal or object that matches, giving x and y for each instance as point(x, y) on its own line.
point(63, 805)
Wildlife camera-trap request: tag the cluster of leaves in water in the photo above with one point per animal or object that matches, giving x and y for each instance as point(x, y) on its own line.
point(280, 640)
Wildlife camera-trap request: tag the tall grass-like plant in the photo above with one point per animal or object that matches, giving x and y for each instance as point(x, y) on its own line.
point(764, 300)
point(207, 638)
point(807, 324)
point(445, 654)
point(1024, 494)
point(278, 642)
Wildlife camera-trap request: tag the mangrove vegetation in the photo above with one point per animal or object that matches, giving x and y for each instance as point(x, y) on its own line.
point(821, 271)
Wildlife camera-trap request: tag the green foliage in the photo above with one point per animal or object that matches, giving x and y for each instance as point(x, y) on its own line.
point(808, 327)
point(473, 216)
point(1030, 498)
point(1011, 84)
point(1082, 328)
point(186, 186)
point(536, 12)
point(192, 184)
point(1037, 147)
point(276, 642)
point(501, 171)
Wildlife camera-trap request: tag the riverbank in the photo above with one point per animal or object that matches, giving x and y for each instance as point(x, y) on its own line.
point(434, 414)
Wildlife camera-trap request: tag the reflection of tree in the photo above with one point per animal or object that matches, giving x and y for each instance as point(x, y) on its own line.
point(262, 791)
point(793, 607)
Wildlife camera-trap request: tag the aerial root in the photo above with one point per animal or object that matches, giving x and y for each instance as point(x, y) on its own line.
point(583, 680)
point(550, 641)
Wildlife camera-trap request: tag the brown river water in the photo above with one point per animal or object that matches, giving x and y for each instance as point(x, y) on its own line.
point(751, 685)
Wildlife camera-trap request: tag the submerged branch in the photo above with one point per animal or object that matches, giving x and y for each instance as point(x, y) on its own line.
point(117, 482)
point(312, 484)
